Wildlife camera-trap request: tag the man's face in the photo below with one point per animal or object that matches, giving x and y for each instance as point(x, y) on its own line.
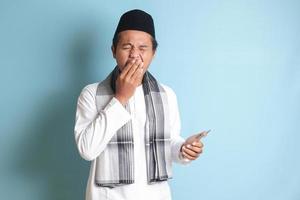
point(133, 44)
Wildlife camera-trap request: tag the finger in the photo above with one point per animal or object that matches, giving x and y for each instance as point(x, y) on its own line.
point(127, 67)
point(132, 69)
point(198, 144)
point(189, 152)
point(139, 72)
point(188, 156)
point(196, 149)
point(195, 145)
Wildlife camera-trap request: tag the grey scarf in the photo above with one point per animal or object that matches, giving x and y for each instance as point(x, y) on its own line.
point(119, 170)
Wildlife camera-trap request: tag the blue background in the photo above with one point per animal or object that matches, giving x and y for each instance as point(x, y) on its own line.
point(234, 65)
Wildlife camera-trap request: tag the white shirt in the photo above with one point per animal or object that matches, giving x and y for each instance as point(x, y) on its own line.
point(93, 131)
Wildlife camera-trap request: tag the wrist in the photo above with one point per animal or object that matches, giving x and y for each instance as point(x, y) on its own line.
point(122, 100)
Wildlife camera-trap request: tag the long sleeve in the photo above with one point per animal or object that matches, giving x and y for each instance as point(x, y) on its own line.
point(93, 130)
point(177, 140)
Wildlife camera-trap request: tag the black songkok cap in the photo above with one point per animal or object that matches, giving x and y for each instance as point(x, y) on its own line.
point(136, 20)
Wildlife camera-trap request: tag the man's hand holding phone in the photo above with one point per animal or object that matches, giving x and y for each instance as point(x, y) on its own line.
point(193, 147)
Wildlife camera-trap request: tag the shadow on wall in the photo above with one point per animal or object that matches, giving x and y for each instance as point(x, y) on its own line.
point(50, 157)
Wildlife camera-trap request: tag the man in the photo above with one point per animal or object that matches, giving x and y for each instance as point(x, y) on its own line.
point(128, 125)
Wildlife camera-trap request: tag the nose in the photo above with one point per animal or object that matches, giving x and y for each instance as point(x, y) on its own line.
point(134, 53)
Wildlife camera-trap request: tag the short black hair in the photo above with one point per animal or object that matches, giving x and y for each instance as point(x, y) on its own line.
point(117, 38)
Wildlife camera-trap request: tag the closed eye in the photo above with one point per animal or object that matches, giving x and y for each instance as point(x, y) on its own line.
point(127, 46)
point(143, 47)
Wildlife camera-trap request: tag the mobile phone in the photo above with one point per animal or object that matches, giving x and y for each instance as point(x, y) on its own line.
point(203, 134)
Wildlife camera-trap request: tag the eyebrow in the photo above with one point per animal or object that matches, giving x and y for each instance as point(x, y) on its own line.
point(127, 44)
